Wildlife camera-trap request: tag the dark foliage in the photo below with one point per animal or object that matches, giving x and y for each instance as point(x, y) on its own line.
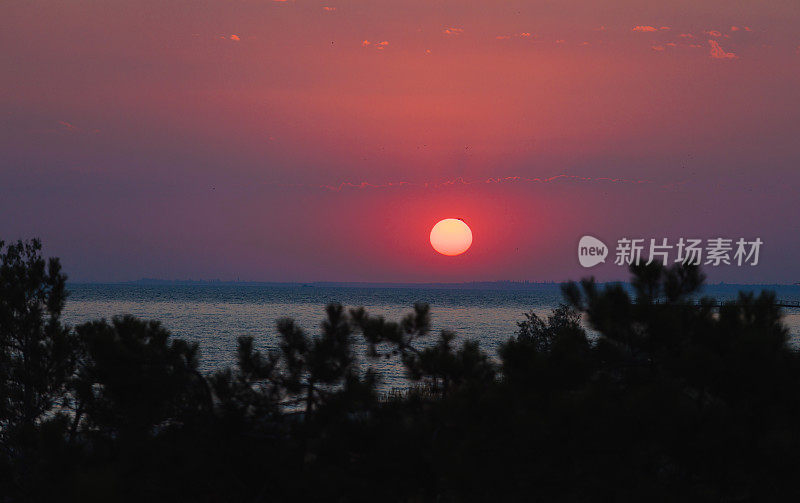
point(37, 360)
point(666, 400)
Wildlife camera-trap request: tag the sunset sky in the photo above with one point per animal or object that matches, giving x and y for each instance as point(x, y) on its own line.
point(305, 140)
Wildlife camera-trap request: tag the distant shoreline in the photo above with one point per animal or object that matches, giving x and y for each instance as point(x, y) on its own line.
point(469, 285)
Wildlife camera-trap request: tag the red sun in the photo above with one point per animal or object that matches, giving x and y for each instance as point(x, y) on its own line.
point(451, 237)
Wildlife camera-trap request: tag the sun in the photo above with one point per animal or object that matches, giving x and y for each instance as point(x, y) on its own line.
point(451, 237)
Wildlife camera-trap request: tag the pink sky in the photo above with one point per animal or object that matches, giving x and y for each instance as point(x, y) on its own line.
point(202, 139)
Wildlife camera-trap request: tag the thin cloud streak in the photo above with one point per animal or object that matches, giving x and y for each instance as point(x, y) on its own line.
point(495, 180)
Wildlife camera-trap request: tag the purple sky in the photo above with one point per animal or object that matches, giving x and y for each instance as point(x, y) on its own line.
point(302, 141)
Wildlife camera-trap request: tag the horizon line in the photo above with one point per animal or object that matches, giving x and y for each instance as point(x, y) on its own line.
point(337, 283)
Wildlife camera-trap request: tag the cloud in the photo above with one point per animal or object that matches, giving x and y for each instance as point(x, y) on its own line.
point(68, 126)
point(644, 28)
point(717, 52)
point(461, 181)
point(453, 31)
point(377, 45)
point(524, 34)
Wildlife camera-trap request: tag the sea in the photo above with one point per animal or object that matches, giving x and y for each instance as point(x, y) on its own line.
point(215, 315)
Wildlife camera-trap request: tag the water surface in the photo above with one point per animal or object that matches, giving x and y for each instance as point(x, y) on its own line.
point(215, 315)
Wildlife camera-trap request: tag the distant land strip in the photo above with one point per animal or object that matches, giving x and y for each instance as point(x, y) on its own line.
point(493, 285)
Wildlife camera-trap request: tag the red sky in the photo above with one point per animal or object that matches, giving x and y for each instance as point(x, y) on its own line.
point(203, 139)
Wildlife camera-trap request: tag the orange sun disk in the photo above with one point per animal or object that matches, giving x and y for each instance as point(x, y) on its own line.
point(451, 237)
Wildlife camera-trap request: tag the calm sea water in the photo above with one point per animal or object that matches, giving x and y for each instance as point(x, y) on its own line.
point(215, 316)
